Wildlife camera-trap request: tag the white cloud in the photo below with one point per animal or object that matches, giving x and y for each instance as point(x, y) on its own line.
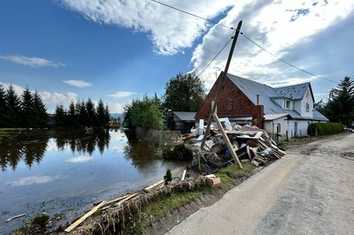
point(78, 83)
point(170, 31)
point(80, 159)
point(51, 99)
point(279, 26)
point(31, 180)
point(122, 94)
point(34, 62)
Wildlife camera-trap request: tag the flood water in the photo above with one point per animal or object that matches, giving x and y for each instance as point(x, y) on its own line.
point(64, 173)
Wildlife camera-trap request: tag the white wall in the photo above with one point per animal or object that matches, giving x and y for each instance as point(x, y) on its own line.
point(287, 127)
point(302, 126)
point(307, 100)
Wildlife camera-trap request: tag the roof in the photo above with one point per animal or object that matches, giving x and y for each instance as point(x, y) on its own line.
point(185, 116)
point(319, 116)
point(267, 94)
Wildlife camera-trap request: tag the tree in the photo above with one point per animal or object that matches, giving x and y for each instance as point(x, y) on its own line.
point(340, 107)
point(145, 113)
point(40, 111)
point(184, 93)
point(60, 117)
point(101, 115)
point(72, 119)
point(83, 117)
point(2, 107)
point(91, 113)
point(13, 108)
point(107, 116)
point(27, 109)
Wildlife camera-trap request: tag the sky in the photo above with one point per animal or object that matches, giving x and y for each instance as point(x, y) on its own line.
point(119, 50)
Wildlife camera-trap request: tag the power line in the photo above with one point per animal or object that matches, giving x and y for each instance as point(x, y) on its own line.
point(214, 58)
point(282, 60)
point(243, 34)
point(191, 14)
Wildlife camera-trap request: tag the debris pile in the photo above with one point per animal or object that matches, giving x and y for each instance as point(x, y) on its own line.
point(249, 143)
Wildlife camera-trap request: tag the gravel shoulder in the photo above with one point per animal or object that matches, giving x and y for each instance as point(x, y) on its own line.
point(310, 191)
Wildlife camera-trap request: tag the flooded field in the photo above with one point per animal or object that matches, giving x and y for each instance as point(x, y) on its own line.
point(64, 173)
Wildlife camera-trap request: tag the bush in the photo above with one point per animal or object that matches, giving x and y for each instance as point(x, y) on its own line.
point(319, 129)
point(168, 176)
point(145, 113)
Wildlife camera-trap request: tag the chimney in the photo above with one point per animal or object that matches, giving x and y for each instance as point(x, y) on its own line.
point(257, 99)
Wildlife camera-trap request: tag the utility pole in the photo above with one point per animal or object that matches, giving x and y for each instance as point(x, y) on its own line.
point(213, 113)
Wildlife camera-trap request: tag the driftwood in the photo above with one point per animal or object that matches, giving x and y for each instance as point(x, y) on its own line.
point(183, 175)
point(84, 217)
point(151, 187)
point(15, 217)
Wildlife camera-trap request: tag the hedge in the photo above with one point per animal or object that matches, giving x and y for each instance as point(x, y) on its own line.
point(318, 129)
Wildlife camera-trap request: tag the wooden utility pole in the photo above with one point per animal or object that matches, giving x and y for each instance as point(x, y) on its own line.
point(213, 114)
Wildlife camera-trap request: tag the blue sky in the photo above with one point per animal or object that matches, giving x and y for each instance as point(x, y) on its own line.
point(118, 50)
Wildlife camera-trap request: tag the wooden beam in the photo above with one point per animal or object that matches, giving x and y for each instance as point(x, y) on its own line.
point(227, 140)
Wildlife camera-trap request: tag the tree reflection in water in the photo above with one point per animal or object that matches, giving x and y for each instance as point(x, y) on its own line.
point(31, 146)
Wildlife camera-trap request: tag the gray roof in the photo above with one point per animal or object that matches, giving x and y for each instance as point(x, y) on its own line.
point(295, 92)
point(185, 116)
point(319, 116)
point(266, 94)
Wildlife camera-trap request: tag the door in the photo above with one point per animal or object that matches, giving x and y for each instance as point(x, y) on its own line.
point(295, 130)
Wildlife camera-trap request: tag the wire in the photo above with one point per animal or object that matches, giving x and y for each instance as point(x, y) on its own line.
point(243, 34)
point(214, 58)
point(282, 60)
point(191, 14)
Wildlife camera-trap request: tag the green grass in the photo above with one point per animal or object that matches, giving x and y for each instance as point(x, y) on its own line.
point(230, 174)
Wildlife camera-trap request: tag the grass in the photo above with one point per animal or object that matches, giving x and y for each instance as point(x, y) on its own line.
point(233, 174)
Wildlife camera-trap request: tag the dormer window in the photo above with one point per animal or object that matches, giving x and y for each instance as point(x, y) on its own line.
point(307, 107)
point(287, 104)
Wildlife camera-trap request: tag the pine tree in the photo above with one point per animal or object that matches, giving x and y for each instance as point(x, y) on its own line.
point(41, 115)
point(72, 115)
point(100, 114)
point(2, 107)
point(107, 117)
point(27, 109)
point(83, 119)
point(13, 109)
point(340, 107)
point(60, 116)
point(91, 113)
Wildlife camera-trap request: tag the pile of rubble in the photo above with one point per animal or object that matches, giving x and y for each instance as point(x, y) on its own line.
point(249, 142)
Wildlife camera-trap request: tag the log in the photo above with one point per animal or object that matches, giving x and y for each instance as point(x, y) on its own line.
point(183, 175)
point(149, 188)
point(126, 199)
point(84, 217)
point(15, 217)
point(117, 199)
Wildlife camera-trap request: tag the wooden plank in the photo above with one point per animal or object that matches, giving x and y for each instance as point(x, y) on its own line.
point(147, 189)
point(84, 217)
point(227, 140)
point(126, 199)
point(117, 199)
point(183, 175)
point(15, 217)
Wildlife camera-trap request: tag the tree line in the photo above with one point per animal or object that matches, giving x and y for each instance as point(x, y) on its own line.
point(82, 114)
point(25, 111)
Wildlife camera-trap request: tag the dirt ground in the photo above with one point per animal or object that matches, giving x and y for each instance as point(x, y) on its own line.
point(310, 191)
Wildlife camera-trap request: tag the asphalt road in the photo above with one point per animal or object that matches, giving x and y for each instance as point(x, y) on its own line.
point(310, 191)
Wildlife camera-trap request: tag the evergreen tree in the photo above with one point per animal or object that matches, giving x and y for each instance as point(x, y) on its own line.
point(101, 114)
point(40, 111)
point(107, 117)
point(2, 107)
point(60, 116)
point(27, 109)
point(72, 115)
point(340, 107)
point(83, 119)
point(91, 113)
point(13, 108)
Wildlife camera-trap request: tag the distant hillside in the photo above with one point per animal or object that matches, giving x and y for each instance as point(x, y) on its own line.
point(118, 115)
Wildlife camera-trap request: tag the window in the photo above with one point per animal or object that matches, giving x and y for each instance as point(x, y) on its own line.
point(307, 107)
point(287, 104)
point(278, 128)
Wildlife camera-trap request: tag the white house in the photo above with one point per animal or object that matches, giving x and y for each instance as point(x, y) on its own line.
point(287, 110)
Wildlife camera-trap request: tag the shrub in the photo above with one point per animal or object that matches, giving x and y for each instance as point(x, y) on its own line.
point(319, 129)
point(168, 176)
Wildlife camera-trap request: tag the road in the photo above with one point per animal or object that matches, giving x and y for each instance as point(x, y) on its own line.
point(310, 191)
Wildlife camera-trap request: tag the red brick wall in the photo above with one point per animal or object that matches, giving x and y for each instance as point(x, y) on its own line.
point(231, 102)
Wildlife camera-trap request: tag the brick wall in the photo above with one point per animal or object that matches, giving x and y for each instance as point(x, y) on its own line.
point(231, 102)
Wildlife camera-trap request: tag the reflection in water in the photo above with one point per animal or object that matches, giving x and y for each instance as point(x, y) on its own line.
point(31, 146)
